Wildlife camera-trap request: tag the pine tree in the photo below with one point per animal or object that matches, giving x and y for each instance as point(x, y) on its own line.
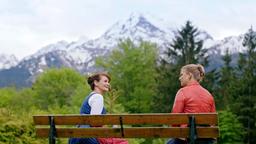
point(227, 84)
point(231, 130)
point(245, 104)
point(185, 48)
point(167, 86)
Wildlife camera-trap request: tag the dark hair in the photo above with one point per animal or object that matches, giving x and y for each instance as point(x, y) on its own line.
point(96, 77)
point(196, 70)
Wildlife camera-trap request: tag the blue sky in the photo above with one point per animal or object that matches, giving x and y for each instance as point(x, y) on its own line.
point(28, 25)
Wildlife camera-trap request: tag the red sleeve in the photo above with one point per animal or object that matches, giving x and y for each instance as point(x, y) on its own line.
point(178, 106)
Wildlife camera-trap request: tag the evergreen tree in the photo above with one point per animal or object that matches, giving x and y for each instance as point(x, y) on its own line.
point(167, 86)
point(227, 83)
point(245, 103)
point(132, 68)
point(231, 130)
point(184, 49)
point(187, 47)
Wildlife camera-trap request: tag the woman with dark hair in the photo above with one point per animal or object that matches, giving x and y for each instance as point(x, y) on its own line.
point(192, 97)
point(94, 104)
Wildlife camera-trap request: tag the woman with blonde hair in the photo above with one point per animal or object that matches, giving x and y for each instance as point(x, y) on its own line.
point(192, 97)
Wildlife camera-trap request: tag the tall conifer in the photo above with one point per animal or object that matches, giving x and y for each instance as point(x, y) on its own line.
point(245, 104)
point(185, 48)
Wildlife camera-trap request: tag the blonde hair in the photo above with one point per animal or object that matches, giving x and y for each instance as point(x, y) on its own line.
point(197, 70)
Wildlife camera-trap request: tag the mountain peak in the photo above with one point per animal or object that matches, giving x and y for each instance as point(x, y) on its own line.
point(60, 45)
point(81, 54)
point(135, 19)
point(7, 61)
point(138, 24)
point(137, 14)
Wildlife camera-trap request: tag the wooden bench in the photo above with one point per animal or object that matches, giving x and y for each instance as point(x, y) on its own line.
point(152, 125)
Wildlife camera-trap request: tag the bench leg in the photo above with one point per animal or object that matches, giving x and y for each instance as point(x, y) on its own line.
point(192, 130)
point(52, 133)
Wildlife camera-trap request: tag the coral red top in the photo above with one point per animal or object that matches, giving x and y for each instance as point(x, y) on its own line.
point(193, 98)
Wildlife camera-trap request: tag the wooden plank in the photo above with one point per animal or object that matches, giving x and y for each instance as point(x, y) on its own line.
point(134, 132)
point(111, 119)
point(205, 132)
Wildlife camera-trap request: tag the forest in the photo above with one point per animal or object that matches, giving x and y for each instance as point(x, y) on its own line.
point(142, 82)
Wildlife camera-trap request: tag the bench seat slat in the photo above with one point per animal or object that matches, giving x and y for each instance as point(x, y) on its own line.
point(134, 132)
point(109, 119)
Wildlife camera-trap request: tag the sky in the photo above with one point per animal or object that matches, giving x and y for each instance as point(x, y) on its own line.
point(28, 25)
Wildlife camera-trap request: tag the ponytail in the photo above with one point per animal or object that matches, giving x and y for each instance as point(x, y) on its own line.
point(197, 70)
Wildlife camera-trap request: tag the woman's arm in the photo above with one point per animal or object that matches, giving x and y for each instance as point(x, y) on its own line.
point(178, 106)
point(96, 103)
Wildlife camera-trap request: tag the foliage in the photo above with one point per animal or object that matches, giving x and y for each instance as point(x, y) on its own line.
point(57, 86)
point(78, 97)
point(136, 141)
point(19, 128)
point(24, 100)
point(184, 49)
point(227, 83)
point(7, 95)
point(20, 100)
point(16, 130)
point(167, 86)
point(231, 130)
point(140, 85)
point(133, 74)
point(112, 104)
point(244, 104)
point(250, 40)
point(159, 141)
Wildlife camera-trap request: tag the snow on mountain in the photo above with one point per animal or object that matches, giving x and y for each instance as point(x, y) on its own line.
point(61, 45)
point(217, 49)
point(78, 43)
point(7, 61)
point(137, 27)
point(204, 36)
point(80, 54)
point(233, 44)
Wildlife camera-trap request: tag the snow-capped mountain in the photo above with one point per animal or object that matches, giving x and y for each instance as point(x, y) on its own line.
point(80, 55)
point(218, 48)
point(232, 43)
point(137, 27)
point(7, 61)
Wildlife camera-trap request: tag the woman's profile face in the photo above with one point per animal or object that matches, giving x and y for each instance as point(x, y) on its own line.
point(184, 78)
point(103, 84)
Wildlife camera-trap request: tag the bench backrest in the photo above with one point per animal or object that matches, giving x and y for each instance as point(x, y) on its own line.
point(143, 125)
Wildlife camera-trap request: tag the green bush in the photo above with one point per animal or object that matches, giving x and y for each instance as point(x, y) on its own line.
point(231, 130)
point(17, 130)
